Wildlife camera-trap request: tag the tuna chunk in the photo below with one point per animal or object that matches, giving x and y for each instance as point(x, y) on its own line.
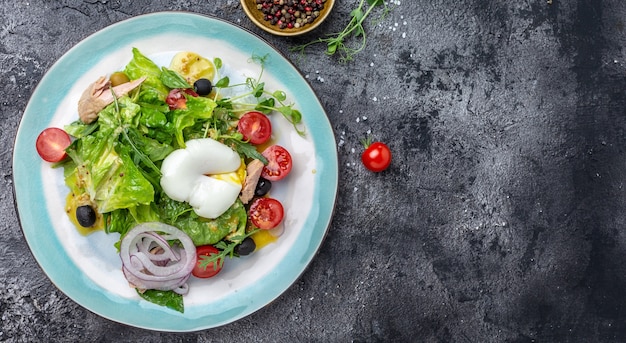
point(253, 173)
point(100, 94)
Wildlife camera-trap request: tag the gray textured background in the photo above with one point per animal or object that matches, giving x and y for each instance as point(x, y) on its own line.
point(501, 219)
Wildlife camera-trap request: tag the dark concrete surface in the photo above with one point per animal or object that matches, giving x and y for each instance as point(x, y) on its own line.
point(501, 219)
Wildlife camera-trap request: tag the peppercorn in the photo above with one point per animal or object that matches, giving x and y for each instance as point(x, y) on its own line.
point(290, 13)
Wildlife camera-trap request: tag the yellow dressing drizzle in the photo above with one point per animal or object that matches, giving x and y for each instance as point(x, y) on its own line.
point(71, 203)
point(262, 238)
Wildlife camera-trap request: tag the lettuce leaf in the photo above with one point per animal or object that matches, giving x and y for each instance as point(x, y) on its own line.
point(203, 231)
point(121, 221)
point(140, 66)
point(169, 299)
point(199, 110)
point(118, 116)
point(109, 177)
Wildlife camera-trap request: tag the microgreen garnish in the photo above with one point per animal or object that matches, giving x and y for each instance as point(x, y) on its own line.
point(335, 43)
point(267, 101)
point(226, 248)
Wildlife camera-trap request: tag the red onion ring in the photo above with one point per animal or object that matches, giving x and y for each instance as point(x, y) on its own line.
point(166, 270)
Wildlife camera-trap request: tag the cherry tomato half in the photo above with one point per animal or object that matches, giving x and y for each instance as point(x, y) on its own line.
point(266, 213)
point(51, 144)
point(176, 99)
point(255, 127)
point(376, 157)
point(278, 163)
point(211, 269)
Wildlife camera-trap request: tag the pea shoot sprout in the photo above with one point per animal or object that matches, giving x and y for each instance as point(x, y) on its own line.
point(335, 43)
point(267, 101)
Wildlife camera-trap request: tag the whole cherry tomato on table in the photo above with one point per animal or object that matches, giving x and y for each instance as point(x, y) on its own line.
point(376, 157)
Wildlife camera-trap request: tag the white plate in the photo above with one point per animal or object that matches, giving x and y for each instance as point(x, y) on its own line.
point(87, 268)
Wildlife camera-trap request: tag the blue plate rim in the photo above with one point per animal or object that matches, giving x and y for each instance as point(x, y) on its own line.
point(325, 152)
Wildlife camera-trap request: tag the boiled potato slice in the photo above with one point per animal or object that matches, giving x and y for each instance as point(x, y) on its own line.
point(192, 66)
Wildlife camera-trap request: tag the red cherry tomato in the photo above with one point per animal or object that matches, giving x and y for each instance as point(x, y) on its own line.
point(211, 269)
point(176, 99)
point(266, 213)
point(255, 127)
point(51, 144)
point(376, 157)
point(278, 163)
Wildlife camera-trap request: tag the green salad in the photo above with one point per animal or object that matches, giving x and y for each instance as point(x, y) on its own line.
point(114, 166)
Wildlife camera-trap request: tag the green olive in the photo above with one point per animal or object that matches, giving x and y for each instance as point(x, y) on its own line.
point(118, 78)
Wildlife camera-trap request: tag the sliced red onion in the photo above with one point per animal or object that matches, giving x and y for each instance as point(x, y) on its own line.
point(166, 270)
point(157, 241)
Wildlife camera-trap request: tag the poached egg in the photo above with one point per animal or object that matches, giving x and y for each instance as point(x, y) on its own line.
point(206, 174)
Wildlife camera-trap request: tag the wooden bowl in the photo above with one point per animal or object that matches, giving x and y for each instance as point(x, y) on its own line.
point(257, 17)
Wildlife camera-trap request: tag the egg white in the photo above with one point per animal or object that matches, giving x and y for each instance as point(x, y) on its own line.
point(204, 174)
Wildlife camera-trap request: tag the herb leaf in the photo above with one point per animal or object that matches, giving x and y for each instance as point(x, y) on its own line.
point(245, 148)
point(169, 299)
point(335, 43)
point(172, 79)
point(223, 82)
point(217, 62)
point(226, 248)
